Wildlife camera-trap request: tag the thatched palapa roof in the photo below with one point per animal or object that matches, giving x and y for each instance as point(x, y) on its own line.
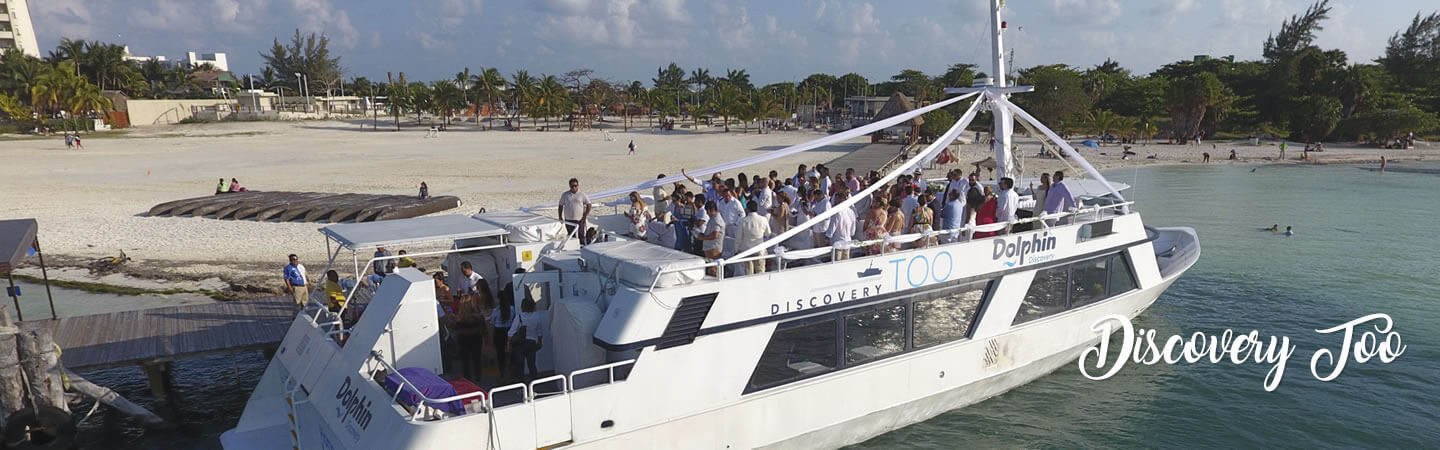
point(897, 105)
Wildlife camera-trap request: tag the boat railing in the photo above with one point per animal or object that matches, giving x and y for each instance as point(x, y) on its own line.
point(424, 401)
point(616, 371)
point(1078, 216)
point(499, 399)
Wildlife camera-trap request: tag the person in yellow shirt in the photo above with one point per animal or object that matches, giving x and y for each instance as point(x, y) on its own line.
point(404, 261)
point(333, 291)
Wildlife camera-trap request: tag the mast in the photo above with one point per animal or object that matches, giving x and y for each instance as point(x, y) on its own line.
point(1004, 120)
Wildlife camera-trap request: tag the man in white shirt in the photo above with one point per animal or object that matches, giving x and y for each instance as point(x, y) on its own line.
point(714, 234)
point(791, 191)
point(765, 197)
point(731, 210)
point(710, 187)
point(908, 204)
point(751, 232)
point(575, 210)
point(819, 203)
point(841, 229)
point(468, 281)
point(1006, 202)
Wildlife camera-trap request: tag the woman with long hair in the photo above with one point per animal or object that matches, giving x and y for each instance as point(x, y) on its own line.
point(470, 329)
point(922, 218)
point(500, 319)
point(875, 223)
point(638, 214)
point(895, 222)
point(527, 335)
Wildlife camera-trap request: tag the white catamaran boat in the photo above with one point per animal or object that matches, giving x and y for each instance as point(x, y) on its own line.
point(649, 351)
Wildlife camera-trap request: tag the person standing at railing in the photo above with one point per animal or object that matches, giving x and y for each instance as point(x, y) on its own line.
point(1059, 199)
point(819, 203)
point(1007, 203)
point(575, 210)
point(1039, 194)
point(713, 235)
point(751, 232)
point(841, 229)
point(954, 215)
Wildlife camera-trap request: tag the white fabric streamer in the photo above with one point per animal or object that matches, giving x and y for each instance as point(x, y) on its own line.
point(1065, 146)
point(781, 153)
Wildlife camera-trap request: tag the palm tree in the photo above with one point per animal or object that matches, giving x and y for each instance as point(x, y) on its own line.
point(448, 98)
point(490, 82)
point(422, 99)
point(106, 61)
point(1147, 129)
point(764, 106)
point(397, 97)
point(738, 78)
point(462, 79)
point(551, 98)
point(69, 49)
point(1102, 122)
point(725, 100)
point(522, 88)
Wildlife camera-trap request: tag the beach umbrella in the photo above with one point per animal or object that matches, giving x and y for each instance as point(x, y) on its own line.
point(1090, 143)
point(988, 163)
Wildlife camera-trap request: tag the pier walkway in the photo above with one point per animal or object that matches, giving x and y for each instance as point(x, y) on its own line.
point(160, 335)
point(870, 157)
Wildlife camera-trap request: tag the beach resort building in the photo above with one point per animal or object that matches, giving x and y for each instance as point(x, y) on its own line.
point(16, 31)
point(214, 59)
point(143, 59)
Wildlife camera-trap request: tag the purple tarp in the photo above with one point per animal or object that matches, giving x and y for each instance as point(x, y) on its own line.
point(430, 385)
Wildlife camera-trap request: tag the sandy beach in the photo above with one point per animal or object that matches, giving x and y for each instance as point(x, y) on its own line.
point(92, 203)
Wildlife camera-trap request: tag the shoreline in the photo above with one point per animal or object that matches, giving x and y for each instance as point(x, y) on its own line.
point(92, 203)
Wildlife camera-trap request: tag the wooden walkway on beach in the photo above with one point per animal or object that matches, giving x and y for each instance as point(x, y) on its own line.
point(867, 158)
point(161, 335)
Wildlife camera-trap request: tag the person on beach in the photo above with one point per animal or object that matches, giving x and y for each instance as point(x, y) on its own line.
point(295, 282)
point(1207, 157)
point(434, 132)
point(69, 141)
point(575, 210)
point(632, 147)
point(1382, 163)
point(1233, 155)
point(221, 188)
point(1282, 150)
point(78, 145)
point(235, 186)
point(424, 191)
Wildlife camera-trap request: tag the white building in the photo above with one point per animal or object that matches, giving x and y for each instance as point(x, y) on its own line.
point(143, 59)
point(16, 31)
point(214, 59)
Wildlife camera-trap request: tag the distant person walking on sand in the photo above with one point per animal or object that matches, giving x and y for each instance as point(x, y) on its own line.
point(69, 141)
point(1282, 150)
point(1382, 164)
point(632, 147)
point(78, 145)
point(295, 282)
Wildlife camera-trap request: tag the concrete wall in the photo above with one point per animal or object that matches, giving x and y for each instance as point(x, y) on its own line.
point(161, 112)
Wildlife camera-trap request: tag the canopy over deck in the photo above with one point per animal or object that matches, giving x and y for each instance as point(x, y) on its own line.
point(17, 237)
point(408, 231)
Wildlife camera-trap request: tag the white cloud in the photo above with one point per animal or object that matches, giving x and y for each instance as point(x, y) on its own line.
point(1092, 12)
point(321, 16)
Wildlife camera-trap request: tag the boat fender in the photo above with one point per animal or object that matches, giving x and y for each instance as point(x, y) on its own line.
point(49, 428)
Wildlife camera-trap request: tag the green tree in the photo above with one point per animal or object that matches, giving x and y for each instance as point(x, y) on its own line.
point(1315, 117)
point(448, 99)
point(957, 76)
point(522, 89)
point(669, 77)
point(397, 98)
point(490, 83)
point(738, 78)
point(307, 55)
point(916, 84)
point(1059, 93)
point(725, 101)
point(937, 122)
point(422, 99)
point(700, 79)
point(1188, 99)
point(852, 84)
point(1385, 125)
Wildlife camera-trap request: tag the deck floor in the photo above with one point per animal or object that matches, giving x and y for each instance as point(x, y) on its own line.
point(170, 333)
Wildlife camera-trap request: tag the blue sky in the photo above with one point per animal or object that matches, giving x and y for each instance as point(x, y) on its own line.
point(778, 40)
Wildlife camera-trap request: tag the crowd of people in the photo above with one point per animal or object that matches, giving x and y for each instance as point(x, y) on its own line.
point(749, 209)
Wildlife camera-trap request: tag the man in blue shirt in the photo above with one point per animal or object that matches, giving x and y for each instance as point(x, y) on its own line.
point(954, 214)
point(295, 282)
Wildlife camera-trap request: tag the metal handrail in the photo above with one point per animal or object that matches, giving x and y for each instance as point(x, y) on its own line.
point(967, 228)
point(423, 398)
point(608, 367)
point(524, 393)
point(564, 386)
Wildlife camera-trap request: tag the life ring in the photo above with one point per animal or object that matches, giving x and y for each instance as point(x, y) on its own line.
point(50, 428)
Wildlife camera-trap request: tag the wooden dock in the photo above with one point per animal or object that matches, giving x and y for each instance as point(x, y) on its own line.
point(154, 336)
point(867, 158)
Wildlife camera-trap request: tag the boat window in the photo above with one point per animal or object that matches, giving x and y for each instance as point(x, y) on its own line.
point(1122, 279)
point(1087, 281)
point(945, 316)
point(874, 333)
point(796, 351)
point(1096, 230)
point(1046, 295)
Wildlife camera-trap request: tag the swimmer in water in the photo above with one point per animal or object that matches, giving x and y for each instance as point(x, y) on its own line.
point(1274, 228)
point(1288, 232)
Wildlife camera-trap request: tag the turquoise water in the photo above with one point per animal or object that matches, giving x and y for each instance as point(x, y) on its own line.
point(1365, 244)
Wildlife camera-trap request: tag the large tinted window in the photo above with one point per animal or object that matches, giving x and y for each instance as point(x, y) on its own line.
point(874, 333)
point(947, 315)
point(1087, 282)
point(796, 351)
point(1046, 295)
point(1122, 280)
